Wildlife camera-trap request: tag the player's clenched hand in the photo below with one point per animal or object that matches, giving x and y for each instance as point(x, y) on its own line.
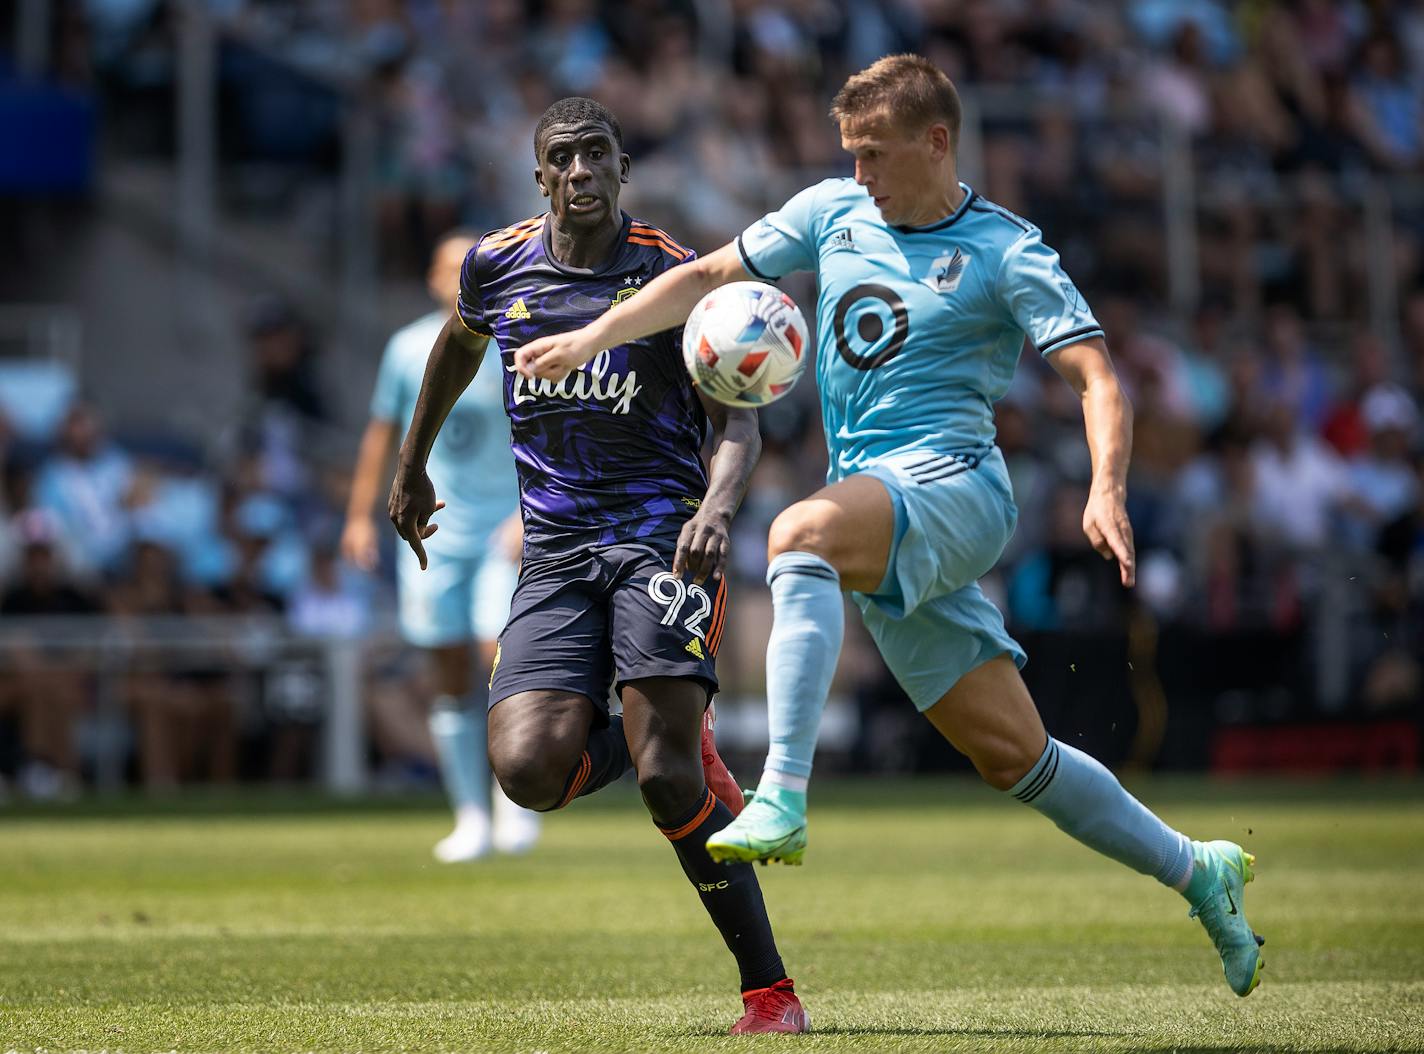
point(1106, 524)
point(703, 545)
point(411, 505)
point(554, 358)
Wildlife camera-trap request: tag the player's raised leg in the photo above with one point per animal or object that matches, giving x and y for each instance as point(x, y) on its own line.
point(548, 748)
point(989, 717)
point(663, 720)
point(838, 539)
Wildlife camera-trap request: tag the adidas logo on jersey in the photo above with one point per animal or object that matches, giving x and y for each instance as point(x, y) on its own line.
point(694, 647)
point(841, 240)
point(517, 310)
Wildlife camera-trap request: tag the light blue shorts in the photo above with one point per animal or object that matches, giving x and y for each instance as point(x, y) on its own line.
point(457, 598)
point(929, 618)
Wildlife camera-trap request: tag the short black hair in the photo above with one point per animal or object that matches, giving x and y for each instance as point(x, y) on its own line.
point(577, 109)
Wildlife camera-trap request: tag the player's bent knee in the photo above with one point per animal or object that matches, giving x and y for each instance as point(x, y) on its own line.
point(803, 528)
point(1004, 769)
point(1000, 778)
point(528, 780)
point(670, 789)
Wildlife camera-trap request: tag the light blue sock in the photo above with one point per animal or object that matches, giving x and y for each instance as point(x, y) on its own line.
point(1085, 800)
point(808, 622)
point(459, 734)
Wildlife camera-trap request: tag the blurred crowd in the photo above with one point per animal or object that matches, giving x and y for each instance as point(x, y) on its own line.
point(168, 540)
point(1278, 471)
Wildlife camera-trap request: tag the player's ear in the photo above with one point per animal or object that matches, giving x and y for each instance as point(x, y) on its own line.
point(939, 141)
point(539, 179)
point(624, 164)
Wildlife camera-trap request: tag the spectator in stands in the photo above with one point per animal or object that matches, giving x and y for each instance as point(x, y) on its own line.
point(9, 539)
point(1345, 427)
point(40, 683)
point(1293, 374)
point(1382, 478)
point(285, 404)
point(330, 603)
point(185, 717)
point(1300, 482)
point(1391, 104)
point(85, 487)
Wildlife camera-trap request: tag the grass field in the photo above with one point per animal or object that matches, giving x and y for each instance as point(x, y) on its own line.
point(932, 916)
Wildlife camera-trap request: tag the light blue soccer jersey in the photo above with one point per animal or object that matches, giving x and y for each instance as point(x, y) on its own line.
point(919, 328)
point(470, 464)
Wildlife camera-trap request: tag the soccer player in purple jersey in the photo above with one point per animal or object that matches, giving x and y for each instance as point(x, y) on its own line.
point(623, 525)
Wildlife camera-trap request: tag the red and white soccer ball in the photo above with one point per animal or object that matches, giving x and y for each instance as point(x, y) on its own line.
point(745, 344)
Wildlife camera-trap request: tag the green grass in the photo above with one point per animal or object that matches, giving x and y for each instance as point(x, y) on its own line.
point(932, 916)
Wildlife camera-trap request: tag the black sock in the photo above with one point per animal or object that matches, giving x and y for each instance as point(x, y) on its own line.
point(729, 892)
point(604, 759)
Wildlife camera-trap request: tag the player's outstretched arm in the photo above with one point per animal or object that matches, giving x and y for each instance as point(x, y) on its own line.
point(664, 303)
point(705, 541)
point(1107, 417)
point(453, 362)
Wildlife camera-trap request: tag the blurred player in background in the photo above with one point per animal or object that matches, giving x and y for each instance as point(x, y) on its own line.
point(463, 597)
point(927, 293)
point(623, 525)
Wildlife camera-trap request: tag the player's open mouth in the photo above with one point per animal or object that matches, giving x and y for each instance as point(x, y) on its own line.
point(583, 202)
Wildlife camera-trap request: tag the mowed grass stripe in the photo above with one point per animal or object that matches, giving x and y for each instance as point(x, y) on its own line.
point(931, 916)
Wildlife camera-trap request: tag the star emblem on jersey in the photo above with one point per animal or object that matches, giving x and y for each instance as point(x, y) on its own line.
point(517, 310)
point(841, 241)
point(694, 647)
point(947, 271)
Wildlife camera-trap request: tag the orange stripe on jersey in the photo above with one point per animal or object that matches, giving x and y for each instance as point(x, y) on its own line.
point(512, 239)
point(719, 619)
point(532, 221)
point(647, 230)
point(514, 232)
point(504, 243)
point(664, 246)
point(708, 804)
point(661, 239)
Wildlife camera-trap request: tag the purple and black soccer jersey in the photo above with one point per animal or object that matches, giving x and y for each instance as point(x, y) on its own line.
point(610, 454)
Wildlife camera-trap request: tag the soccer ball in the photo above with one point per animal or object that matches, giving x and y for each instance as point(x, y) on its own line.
point(745, 344)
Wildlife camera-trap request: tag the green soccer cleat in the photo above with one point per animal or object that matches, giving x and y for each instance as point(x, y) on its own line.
point(765, 831)
point(1222, 912)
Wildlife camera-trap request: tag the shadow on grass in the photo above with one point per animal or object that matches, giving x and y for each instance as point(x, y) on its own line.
point(907, 1032)
point(1136, 1040)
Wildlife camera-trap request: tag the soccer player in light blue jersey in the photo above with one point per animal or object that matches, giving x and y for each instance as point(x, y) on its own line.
point(462, 598)
point(927, 293)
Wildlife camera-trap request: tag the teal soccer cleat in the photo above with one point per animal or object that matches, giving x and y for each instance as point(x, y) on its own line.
point(1222, 912)
point(765, 831)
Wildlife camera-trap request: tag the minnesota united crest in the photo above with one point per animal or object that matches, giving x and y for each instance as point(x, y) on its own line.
point(947, 271)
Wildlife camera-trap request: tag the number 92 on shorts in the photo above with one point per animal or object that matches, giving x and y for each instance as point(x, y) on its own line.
point(587, 621)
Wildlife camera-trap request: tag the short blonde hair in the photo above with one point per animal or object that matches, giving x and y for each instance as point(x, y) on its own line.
point(910, 90)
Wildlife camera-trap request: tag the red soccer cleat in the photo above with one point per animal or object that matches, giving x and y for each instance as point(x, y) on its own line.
point(719, 780)
point(774, 1009)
